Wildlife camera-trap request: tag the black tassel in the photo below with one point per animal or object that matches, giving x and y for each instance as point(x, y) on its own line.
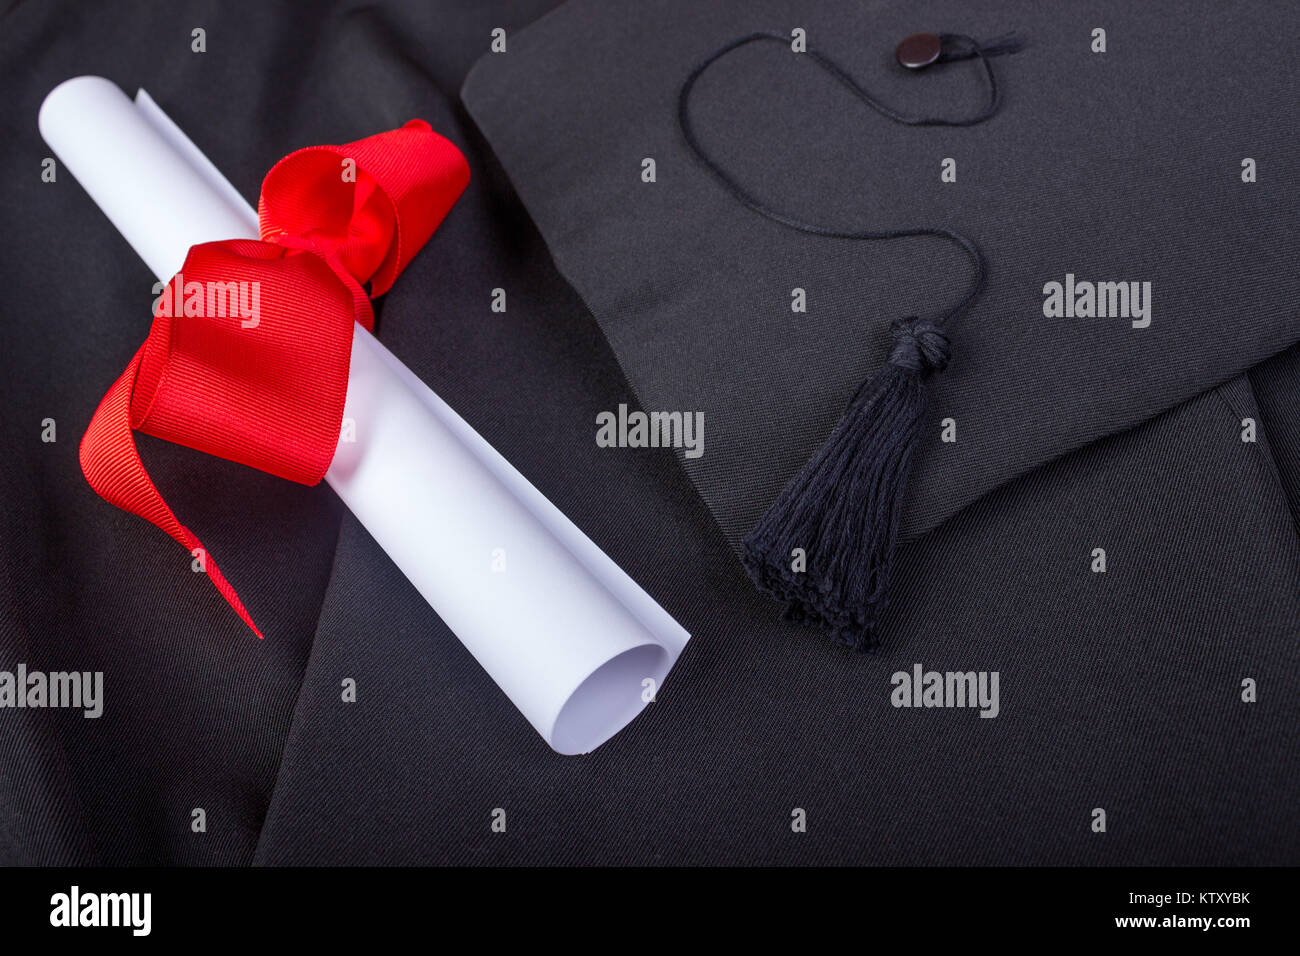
point(843, 508)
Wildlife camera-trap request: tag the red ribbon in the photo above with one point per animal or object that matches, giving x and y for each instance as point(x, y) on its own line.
point(250, 345)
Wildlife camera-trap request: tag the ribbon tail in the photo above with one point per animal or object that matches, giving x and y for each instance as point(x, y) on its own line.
point(112, 466)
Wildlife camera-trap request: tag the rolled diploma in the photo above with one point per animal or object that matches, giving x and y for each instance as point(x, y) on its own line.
point(568, 636)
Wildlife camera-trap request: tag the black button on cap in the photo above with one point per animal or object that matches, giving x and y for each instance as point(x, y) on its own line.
point(918, 50)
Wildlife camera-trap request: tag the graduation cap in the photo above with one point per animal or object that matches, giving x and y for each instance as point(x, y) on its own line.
point(701, 180)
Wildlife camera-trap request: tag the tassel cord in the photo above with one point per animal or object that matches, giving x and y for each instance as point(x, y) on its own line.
point(955, 47)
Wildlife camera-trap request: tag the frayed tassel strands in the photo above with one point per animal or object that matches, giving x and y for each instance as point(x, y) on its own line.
point(843, 508)
point(842, 511)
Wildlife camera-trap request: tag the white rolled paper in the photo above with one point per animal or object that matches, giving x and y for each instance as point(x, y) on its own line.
point(569, 637)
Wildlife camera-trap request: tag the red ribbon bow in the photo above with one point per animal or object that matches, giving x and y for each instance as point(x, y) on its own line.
point(251, 341)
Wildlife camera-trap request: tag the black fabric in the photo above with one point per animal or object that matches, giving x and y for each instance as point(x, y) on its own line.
point(1276, 384)
point(1119, 690)
point(1117, 166)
